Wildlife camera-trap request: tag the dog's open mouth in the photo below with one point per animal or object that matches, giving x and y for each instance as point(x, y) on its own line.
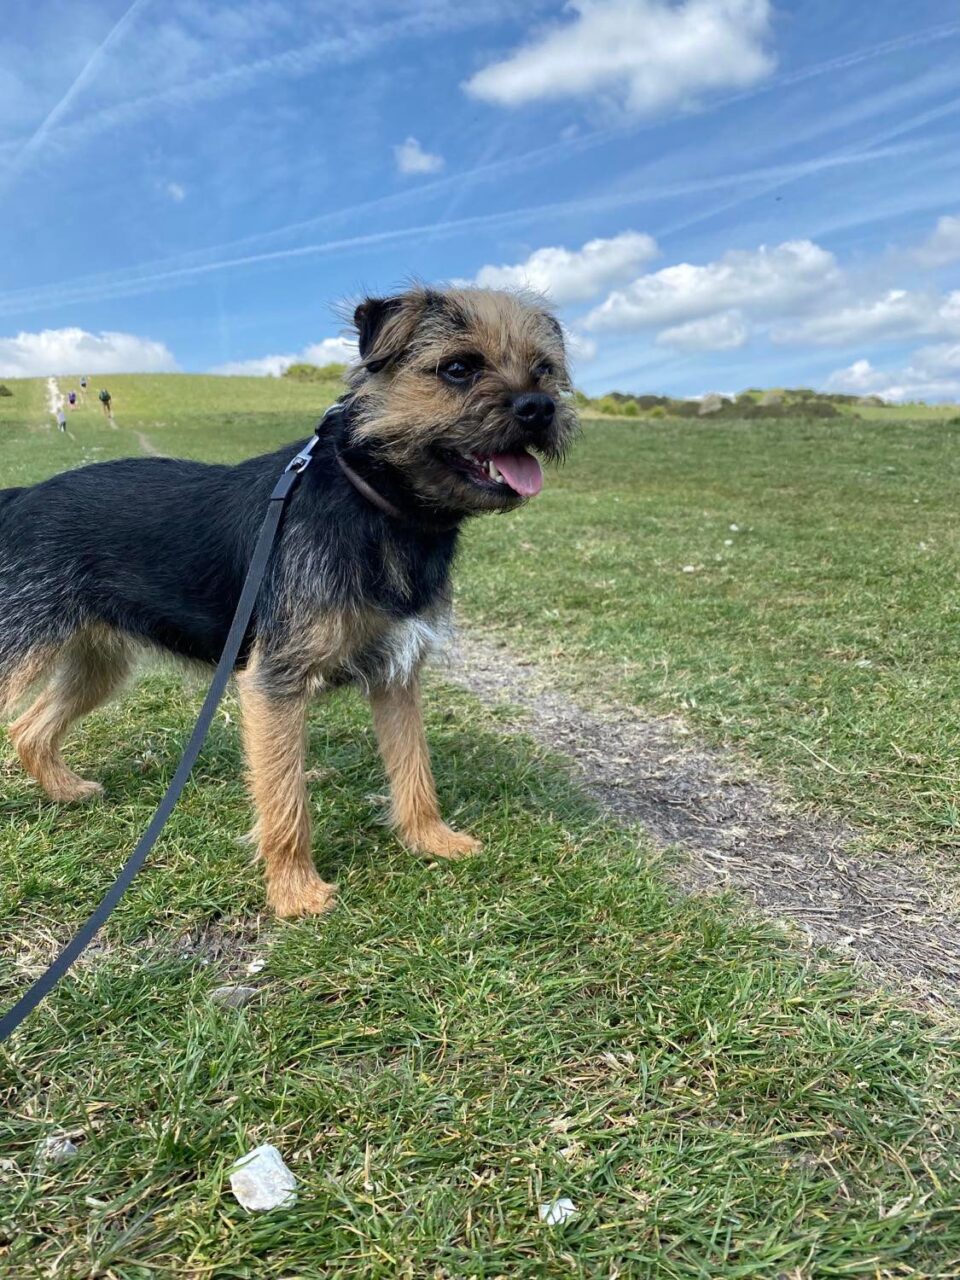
point(520, 472)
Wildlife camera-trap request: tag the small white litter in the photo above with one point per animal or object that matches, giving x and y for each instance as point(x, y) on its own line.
point(255, 966)
point(233, 997)
point(557, 1211)
point(56, 1150)
point(260, 1180)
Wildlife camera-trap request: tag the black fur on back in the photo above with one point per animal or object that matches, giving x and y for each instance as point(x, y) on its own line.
point(158, 548)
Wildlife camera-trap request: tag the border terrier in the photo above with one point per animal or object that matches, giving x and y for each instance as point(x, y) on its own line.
point(455, 394)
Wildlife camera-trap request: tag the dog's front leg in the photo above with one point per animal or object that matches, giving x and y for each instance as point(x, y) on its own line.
point(274, 732)
point(398, 720)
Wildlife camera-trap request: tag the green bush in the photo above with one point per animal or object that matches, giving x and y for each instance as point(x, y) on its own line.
point(5, 390)
point(630, 410)
point(302, 372)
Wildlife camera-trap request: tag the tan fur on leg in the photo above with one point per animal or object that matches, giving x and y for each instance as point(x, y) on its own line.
point(17, 683)
point(274, 737)
point(87, 670)
point(398, 720)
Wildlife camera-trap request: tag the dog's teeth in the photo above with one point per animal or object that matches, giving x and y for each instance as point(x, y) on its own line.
point(494, 473)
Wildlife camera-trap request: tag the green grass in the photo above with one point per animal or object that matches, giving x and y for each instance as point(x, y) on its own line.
point(790, 587)
point(455, 1045)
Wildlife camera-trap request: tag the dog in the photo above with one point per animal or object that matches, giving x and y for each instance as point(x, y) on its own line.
point(455, 395)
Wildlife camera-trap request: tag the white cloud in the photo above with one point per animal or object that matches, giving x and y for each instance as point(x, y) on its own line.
point(898, 313)
point(650, 55)
point(942, 246)
point(65, 351)
point(580, 348)
point(722, 332)
point(330, 351)
point(261, 367)
point(859, 378)
point(943, 358)
point(411, 158)
point(768, 280)
point(932, 374)
point(176, 192)
point(327, 351)
point(573, 275)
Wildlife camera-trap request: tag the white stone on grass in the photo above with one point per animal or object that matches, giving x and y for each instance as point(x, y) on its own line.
point(232, 997)
point(260, 1180)
point(555, 1212)
point(56, 1150)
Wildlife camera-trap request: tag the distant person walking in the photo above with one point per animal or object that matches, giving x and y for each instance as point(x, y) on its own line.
point(61, 419)
point(72, 397)
point(105, 401)
point(83, 390)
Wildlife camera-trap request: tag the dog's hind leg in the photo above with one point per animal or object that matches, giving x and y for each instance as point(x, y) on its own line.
point(274, 734)
point(21, 674)
point(89, 667)
point(398, 721)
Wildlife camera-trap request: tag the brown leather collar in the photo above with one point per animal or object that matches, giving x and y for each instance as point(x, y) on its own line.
point(373, 496)
point(369, 492)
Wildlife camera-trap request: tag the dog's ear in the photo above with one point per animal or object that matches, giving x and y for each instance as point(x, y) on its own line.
point(557, 327)
point(384, 327)
point(369, 318)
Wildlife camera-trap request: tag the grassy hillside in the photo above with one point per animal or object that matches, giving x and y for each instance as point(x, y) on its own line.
point(770, 403)
point(819, 633)
point(456, 1045)
point(787, 586)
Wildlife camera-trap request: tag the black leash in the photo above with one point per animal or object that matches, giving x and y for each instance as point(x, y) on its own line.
point(238, 629)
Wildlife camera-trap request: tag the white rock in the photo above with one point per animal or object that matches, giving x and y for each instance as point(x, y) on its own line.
point(232, 997)
point(260, 1180)
point(56, 1150)
point(554, 1212)
point(255, 966)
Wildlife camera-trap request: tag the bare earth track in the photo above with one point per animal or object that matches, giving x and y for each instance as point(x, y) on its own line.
point(147, 446)
point(737, 832)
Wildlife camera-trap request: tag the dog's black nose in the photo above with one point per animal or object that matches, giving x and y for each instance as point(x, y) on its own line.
point(534, 409)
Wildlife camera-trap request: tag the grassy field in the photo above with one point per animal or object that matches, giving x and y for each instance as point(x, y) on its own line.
point(790, 587)
point(455, 1046)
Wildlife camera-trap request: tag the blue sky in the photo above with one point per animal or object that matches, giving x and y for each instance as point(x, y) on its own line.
point(716, 193)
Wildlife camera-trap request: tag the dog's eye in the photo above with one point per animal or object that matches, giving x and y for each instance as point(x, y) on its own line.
point(460, 370)
point(543, 369)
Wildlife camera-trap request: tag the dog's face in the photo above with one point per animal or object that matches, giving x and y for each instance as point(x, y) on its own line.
point(462, 390)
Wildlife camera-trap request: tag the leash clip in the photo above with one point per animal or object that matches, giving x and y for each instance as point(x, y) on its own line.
point(303, 459)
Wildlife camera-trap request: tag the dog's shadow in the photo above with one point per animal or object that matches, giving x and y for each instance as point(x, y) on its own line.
point(479, 772)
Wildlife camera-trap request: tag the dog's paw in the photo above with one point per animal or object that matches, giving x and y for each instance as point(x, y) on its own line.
point(307, 896)
point(74, 790)
point(441, 841)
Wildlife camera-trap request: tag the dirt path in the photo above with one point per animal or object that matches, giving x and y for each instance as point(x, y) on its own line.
point(147, 446)
point(738, 834)
point(54, 398)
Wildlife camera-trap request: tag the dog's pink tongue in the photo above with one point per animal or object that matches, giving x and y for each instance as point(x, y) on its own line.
point(521, 472)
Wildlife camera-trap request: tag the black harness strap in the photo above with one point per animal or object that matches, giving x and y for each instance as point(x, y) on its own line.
point(231, 649)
